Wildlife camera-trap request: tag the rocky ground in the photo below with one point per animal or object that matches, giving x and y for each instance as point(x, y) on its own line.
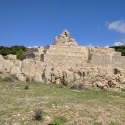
point(78, 106)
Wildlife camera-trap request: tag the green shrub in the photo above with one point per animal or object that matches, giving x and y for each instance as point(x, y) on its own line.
point(26, 87)
point(19, 53)
point(43, 75)
point(1, 72)
point(0, 78)
point(58, 121)
point(27, 79)
point(65, 83)
point(123, 89)
point(19, 50)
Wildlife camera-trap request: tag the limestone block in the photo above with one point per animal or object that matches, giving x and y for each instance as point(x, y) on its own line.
point(57, 81)
point(8, 64)
point(40, 66)
point(21, 77)
point(15, 70)
point(10, 57)
point(77, 76)
point(28, 67)
point(38, 77)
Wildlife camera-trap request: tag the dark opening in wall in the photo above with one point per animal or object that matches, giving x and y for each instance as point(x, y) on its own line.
point(116, 71)
point(81, 74)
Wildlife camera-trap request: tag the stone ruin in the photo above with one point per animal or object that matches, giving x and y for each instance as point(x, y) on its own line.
point(65, 40)
point(65, 60)
point(65, 53)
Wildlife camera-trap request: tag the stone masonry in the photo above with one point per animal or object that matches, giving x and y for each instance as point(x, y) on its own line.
point(66, 53)
point(66, 61)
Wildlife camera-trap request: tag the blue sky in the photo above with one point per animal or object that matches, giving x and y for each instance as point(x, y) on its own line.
point(37, 22)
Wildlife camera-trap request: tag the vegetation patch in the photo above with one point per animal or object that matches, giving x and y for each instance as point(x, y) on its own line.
point(120, 49)
point(26, 87)
point(16, 50)
point(61, 105)
point(58, 121)
point(43, 75)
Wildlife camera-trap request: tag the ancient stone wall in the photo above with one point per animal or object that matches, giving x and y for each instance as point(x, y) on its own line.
point(65, 50)
point(32, 53)
point(65, 62)
point(106, 57)
point(63, 54)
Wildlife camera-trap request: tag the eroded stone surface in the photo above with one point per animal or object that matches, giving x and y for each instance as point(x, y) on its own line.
point(65, 40)
point(65, 61)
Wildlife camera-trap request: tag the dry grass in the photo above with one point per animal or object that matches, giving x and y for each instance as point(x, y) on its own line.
point(90, 107)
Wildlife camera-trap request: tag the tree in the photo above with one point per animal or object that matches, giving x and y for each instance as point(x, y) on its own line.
point(120, 49)
point(19, 53)
point(16, 50)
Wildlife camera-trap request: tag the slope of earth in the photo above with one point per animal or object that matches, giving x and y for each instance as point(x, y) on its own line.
point(88, 107)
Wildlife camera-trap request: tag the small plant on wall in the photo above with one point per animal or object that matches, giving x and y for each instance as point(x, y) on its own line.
point(43, 75)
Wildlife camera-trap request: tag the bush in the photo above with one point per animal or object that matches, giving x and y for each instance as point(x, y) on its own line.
point(19, 50)
point(26, 87)
point(123, 89)
point(1, 72)
point(65, 83)
point(38, 114)
point(19, 53)
point(0, 79)
point(58, 121)
point(43, 75)
point(27, 79)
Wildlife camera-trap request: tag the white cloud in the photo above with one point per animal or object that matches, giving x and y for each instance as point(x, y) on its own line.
point(118, 26)
point(106, 46)
point(33, 47)
point(118, 44)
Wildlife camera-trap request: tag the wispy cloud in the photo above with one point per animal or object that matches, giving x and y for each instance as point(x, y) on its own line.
point(98, 28)
point(118, 26)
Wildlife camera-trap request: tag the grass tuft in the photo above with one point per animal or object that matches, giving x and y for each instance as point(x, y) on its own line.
point(26, 87)
point(58, 121)
point(38, 114)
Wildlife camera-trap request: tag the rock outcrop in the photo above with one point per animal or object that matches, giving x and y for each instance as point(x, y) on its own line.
point(66, 62)
point(65, 40)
